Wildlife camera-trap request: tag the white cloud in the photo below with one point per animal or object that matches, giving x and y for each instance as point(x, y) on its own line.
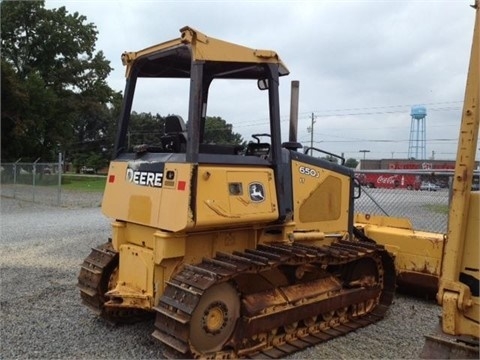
point(369, 56)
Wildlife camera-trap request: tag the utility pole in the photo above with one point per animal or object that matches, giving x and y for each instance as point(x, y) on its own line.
point(310, 129)
point(364, 152)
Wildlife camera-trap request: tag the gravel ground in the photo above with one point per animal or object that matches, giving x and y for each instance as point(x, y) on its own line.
point(41, 248)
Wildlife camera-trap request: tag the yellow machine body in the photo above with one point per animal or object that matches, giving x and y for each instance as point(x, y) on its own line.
point(461, 305)
point(418, 254)
point(157, 229)
point(206, 48)
point(321, 199)
point(234, 249)
point(458, 292)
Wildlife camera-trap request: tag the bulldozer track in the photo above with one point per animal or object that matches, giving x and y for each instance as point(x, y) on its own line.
point(98, 275)
point(198, 316)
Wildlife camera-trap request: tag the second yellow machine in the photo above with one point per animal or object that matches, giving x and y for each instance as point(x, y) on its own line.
point(237, 251)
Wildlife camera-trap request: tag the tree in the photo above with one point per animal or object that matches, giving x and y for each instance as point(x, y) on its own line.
point(14, 101)
point(145, 128)
point(54, 91)
point(217, 131)
point(351, 163)
point(330, 158)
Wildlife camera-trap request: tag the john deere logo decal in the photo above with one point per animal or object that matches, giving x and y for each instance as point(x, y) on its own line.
point(144, 178)
point(257, 193)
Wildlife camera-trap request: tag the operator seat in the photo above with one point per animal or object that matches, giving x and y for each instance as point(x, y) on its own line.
point(175, 138)
point(258, 149)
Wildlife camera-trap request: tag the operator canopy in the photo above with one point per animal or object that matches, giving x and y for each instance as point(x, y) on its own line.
point(221, 59)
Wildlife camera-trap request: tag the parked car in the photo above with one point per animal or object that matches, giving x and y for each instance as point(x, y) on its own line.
point(87, 170)
point(428, 186)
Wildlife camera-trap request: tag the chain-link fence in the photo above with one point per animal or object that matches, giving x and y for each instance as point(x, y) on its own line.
point(47, 183)
point(422, 197)
point(37, 182)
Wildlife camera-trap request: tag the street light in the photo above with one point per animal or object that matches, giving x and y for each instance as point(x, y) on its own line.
point(364, 153)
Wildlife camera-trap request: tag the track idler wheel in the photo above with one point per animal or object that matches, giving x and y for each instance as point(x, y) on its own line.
point(214, 319)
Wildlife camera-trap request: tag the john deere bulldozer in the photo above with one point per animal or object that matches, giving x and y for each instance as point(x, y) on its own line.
point(236, 250)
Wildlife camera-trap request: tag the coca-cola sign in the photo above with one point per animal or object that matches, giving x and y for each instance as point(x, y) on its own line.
point(387, 180)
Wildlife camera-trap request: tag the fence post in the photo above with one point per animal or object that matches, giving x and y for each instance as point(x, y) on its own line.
point(15, 178)
point(34, 173)
point(60, 170)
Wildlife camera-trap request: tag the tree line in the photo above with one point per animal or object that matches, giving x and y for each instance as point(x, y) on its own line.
point(55, 95)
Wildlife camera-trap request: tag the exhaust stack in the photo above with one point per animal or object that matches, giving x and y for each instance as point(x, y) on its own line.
point(292, 143)
point(294, 98)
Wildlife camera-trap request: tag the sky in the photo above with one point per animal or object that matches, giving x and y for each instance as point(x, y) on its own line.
point(362, 65)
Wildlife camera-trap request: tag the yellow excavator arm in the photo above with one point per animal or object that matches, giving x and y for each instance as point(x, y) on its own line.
point(458, 292)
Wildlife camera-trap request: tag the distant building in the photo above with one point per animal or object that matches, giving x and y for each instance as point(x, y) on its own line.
point(406, 164)
point(394, 173)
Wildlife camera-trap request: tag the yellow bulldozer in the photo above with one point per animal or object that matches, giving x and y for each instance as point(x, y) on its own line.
point(237, 251)
point(257, 250)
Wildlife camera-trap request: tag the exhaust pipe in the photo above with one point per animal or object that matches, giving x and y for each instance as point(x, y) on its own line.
point(294, 98)
point(292, 143)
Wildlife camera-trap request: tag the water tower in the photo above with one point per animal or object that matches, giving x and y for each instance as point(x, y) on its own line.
point(417, 148)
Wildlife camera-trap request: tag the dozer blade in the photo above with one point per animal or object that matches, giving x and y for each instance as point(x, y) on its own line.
point(440, 345)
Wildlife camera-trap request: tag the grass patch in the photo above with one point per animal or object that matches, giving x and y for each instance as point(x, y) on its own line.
point(436, 208)
point(84, 183)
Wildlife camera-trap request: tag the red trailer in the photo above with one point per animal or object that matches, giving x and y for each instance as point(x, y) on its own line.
point(389, 180)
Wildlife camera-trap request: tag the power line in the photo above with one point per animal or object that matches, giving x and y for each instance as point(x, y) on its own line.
point(391, 106)
point(339, 113)
point(378, 141)
point(383, 112)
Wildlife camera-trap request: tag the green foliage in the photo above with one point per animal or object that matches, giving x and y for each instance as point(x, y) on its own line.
point(330, 158)
point(351, 163)
point(436, 208)
point(90, 159)
point(84, 183)
point(54, 91)
point(145, 128)
point(55, 97)
point(14, 100)
point(217, 131)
